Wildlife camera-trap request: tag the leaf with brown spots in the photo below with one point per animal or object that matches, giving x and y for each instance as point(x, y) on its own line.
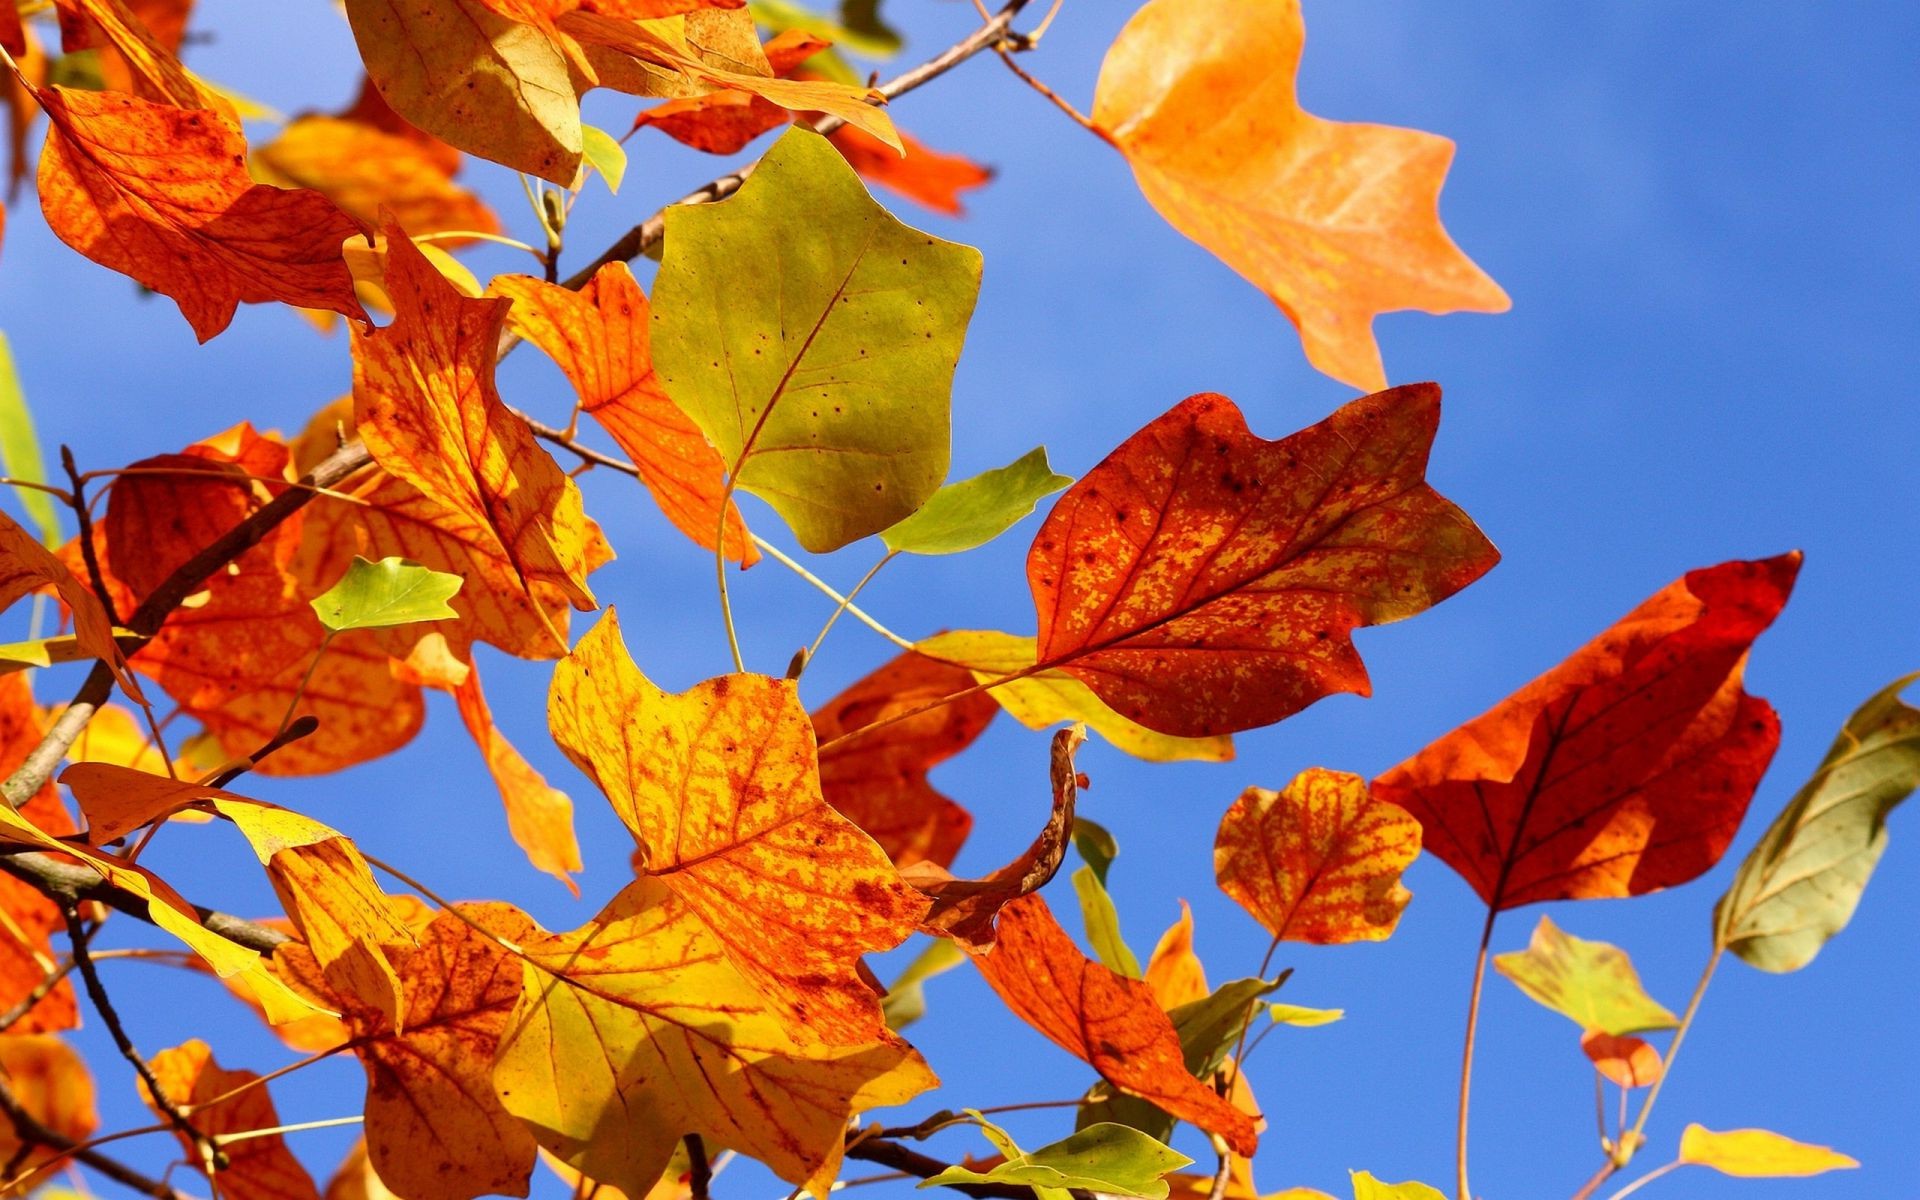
point(965, 909)
point(258, 1168)
point(879, 781)
point(720, 787)
point(1625, 769)
point(425, 405)
point(1202, 580)
point(1106, 1020)
point(1319, 862)
point(637, 1029)
point(134, 57)
point(161, 194)
point(601, 337)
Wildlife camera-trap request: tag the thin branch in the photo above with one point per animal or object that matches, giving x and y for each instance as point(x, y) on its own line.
point(1466, 1057)
point(699, 1169)
point(68, 881)
point(32, 1133)
point(846, 602)
point(88, 554)
point(1060, 102)
point(1221, 1177)
point(924, 1166)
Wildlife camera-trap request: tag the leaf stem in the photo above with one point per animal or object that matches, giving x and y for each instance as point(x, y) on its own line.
point(846, 602)
point(1630, 1141)
point(1646, 1179)
point(1466, 1056)
point(720, 574)
point(246, 1135)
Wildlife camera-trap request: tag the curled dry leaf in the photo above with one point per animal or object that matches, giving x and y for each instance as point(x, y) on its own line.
point(161, 194)
point(720, 787)
point(965, 909)
point(258, 1168)
point(1202, 580)
point(1319, 862)
point(1106, 1020)
point(1625, 769)
point(879, 781)
point(1335, 222)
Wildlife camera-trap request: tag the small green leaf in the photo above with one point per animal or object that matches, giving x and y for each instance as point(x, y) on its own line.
point(1592, 984)
point(20, 450)
point(1305, 1018)
point(973, 512)
point(1366, 1187)
point(906, 1000)
point(603, 153)
point(1103, 925)
point(1802, 881)
point(1110, 1159)
point(1097, 847)
point(393, 591)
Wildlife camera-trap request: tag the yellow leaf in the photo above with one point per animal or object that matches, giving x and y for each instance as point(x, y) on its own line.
point(1174, 972)
point(1758, 1154)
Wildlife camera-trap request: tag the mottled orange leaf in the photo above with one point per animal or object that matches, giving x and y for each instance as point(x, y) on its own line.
point(27, 566)
point(1335, 222)
point(965, 909)
point(720, 787)
point(1319, 862)
point(134, 57)
point(1175, 972)
point(50, 1082)
point(600, 336)
point(1108, 1021)
point(1625, 769)
point(28, 919)
point(1203, 580)
point(922, 174)
point(637, 1028)
point(161, 194)
point(1628, 1061)
point(539, 816)
point(369, 172)
point(879, 781)
point(425, 406)
point(258, 1168)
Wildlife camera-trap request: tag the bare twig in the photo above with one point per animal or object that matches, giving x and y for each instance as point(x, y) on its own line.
point(699, 1169)
point(925, 1166)
point(88, 553)
point(32, 1133)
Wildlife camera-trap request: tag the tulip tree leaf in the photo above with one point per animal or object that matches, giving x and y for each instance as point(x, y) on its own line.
point(393, 591)
point(1110, 1159)
point(1096, 845)
point(1366, 1187)
point(973, 512)
point(1103, 925)
point(605, 154)
point(1303, 1017)
point(813, 339)
point(1592, 984)
point(1802, 881)
point(20, 450)
point(1758, 1154)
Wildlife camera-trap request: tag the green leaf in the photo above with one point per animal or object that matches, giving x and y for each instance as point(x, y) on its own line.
point(393, 591)
point(1366, 1187)
point(906, 1000)
point(1592, 984)
point(1303, 1017)
point(1097, 847)
point(1758, 1154)
point(858, 31)
point(1103, 925)
point(20, 450)
point(1110, 1159)
point(605, 155)
point(813, 338)
point(974, 511)
point(1800, 884)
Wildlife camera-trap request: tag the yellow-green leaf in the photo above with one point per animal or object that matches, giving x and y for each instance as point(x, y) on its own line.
point(1103, 924)
point(906, 999)
point(393, 591)
point(604, 154)
point(20, 450)
point(1758, 1154)
point(1097, 846)
point(1366, 1187)
point(813, 338)
point(1302, 1016)
point(1106, 1158)
point(973, 512)
point(1592, 984)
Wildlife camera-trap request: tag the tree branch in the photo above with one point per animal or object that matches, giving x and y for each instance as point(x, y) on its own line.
point(32, 1133)
point(924, 1166)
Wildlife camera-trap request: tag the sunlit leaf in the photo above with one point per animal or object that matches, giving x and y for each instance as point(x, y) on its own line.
point(49, 1081)
point(393, 591)
point(258, 1168)
point(1758, 1154)
point(604, 154)
point(1174, 971)
point(20, 450)
point(1108, 1159)
point(1103, 925)
point(1366, 1187)
point(1300, 1015)
point(961, 516)
point(1592, 984)
point(1627, 1061)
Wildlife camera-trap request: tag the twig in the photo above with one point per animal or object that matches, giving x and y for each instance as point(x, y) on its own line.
point(1060, 102)
point(1218, 1191)
point(31, 1132)
point(846, 602)
point(924, 1166)
point(88, 553)
point(68, 882)
point(699, 1170)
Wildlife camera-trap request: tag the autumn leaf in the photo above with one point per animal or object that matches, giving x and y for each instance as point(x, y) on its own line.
point(27, 566)
point(600, 336)
point(1335, 222)
point(965, 909)
point(825, 377)
point(968, 514)
point(879, 780)
point(371, 172)
point(1202, 580)
point(1758, 1154)
point(637, 1029)
point(922, 174)
point(161, 194)
point(1626, 1061)
point(145, 61)
point(1174, 971)
point(28, 919)
point(1110, 1022)
point(1046, 698)
point(1319, 862)
point(1592, 984)
point(380, 595)
point(1802, 881)
point(1107, 1159)
point(258, 1168)
point(720, 787)
point(425, 404)
point(1623, 770)
point(354, 1178)
point(1366, 1187)
point(49, 1081)
point(724, 122)
point(1102, 919)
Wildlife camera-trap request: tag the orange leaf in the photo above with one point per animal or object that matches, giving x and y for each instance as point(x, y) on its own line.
point(879, 781)
point(49, 1081)
point(161, 194)
point(965, 909)
point(1627, 1061)
point(1104, 1019)
point(426, 407)
point(1202, 580)
point(27, 566)
point(258, 1168)
point(922, 174)
point(368, 171)
point(1175, 972)
point(1335, 222)
point(1319, 862)
point(600, 336)
point(539, 816)
point(28, 919)
point(721, 789)
point(1625, 769)
point(134, 57)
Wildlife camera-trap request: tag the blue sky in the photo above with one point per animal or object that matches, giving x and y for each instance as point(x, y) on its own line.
point(1704, 215)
